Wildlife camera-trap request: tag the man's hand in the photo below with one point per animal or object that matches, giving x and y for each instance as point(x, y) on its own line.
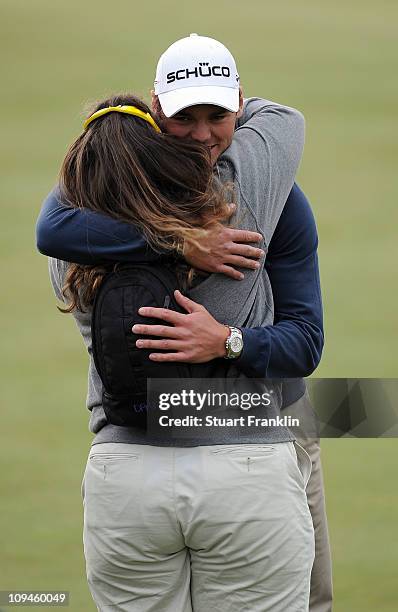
point(195, 337)
point(223, 248)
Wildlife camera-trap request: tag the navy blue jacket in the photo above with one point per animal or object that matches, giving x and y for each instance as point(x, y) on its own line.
point(290, 348)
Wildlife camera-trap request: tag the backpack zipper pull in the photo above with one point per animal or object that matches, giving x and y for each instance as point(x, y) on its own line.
point(166, 302)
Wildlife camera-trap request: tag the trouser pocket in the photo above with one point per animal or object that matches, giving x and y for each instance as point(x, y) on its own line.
point(304, 462)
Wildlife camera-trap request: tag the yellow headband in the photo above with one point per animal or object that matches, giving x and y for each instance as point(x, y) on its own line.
point(129, 110)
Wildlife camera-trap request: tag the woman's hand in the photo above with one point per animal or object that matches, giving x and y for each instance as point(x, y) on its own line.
point(223, 248)
point(195, 337)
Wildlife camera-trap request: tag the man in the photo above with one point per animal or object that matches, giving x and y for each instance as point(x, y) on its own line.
point(190, 106)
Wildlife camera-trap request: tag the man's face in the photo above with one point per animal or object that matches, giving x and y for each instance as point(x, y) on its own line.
point(213, 126)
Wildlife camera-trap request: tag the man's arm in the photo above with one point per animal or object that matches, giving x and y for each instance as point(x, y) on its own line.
point(87, 237)
point(293, 345)
point(291, 348)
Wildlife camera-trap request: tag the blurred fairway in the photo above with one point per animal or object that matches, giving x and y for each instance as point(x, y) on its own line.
point(338, 63)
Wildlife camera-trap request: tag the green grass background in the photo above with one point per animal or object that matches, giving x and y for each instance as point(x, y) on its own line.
point(338, 63)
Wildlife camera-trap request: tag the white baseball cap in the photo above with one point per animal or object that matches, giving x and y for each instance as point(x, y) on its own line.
point(196, 70)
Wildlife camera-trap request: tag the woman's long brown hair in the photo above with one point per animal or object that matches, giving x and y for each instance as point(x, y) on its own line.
point(122, 167)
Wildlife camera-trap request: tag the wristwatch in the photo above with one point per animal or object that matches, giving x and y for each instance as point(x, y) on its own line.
point(234, 343)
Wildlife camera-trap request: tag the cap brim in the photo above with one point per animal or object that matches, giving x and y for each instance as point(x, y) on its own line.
point(173, 102)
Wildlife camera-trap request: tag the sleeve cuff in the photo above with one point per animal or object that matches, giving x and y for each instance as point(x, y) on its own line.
point(254, 358)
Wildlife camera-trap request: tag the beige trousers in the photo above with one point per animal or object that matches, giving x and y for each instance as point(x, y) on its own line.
point(203, 529)
point(321, 597)
point(321, 577)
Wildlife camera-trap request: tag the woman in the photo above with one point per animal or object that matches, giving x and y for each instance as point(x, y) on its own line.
point(178, 528)
point(128, 169)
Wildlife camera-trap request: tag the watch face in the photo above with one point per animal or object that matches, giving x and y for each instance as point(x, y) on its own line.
point(236, 344)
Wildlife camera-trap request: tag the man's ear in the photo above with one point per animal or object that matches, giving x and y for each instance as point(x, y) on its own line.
point(156, 108)
point(240, 111)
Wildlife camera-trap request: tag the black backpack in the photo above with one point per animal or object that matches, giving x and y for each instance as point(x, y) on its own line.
point(122, 367)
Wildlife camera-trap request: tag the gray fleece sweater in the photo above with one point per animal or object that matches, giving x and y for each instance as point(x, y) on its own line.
point(262, 162)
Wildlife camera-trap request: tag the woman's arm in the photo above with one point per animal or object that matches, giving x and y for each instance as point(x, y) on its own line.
point(265, 154)
point(293, 346)
point(290, 348)
point(87, 237)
